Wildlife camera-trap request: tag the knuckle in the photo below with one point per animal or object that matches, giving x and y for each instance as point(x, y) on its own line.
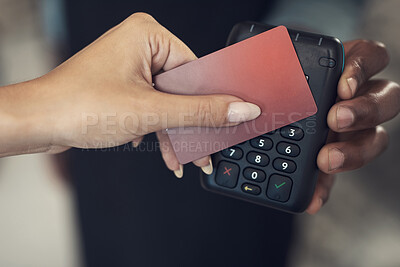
point(378, 45)
point(371, 44)
point(372, 112)
point(382, 51)
point(356, 67)
point(366, 43)
point(373, 142)
point(383, 102)
point(138, 18)
point(396, 95)
point(203, 112)
point(378, 48)
point(209, 113)
point(382, 133)
point(141, 16)
point(362, 54)
point(363, 45)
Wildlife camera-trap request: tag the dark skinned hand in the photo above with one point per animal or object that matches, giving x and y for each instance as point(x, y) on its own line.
point(356, 136)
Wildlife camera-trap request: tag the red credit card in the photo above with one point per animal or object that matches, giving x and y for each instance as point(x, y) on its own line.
point(263, 70)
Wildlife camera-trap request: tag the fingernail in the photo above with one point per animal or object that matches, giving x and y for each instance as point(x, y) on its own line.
point(242, 111)
point(335, 159)
point(352, 85)
point(208, 169)
point(179, 173)
point(344, 117)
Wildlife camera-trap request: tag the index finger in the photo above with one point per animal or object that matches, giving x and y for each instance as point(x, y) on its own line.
point(364, 59)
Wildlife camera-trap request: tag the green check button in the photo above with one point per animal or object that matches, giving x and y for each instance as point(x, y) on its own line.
point(279, 186)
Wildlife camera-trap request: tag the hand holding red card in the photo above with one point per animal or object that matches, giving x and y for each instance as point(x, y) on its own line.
point(263, 70)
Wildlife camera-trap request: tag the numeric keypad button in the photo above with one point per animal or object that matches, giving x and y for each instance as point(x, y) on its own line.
point(284, 165)
point(259, 159)
point(291, 132)
point(288, 149)
point(232, 153)
point(263, 143)
point(252, 174)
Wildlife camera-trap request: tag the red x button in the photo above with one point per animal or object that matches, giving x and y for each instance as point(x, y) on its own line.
point(227, 174)
point(227, 171)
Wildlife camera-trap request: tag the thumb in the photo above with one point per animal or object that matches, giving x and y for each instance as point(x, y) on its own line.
point(206, 110)
point(174, 111)
point(168, 51)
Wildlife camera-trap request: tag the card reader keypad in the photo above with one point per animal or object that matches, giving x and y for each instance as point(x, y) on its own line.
point(268, 162)
point(278, 169)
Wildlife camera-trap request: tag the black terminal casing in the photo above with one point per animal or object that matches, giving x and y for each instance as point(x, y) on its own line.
point(322, 60)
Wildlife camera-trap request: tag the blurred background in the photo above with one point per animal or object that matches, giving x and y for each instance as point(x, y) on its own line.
point(359, 226)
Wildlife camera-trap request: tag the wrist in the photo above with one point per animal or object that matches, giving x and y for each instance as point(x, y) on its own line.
point(24, 126)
